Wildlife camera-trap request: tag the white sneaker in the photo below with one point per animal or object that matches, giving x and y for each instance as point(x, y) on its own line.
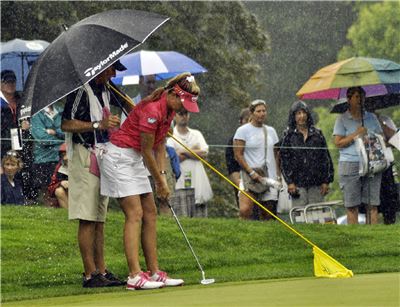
point(168, 282)
point(142, 282)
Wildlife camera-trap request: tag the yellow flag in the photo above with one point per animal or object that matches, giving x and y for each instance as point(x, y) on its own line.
point(326, 266)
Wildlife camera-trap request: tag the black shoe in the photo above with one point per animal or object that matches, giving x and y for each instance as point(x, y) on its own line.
point(116, 281)
point(96, 280)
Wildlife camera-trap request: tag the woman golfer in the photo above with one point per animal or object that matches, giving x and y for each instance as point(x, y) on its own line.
point(136, 149)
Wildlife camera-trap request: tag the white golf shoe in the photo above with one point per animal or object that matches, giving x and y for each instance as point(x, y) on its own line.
point(161, 276)
point(142, 282)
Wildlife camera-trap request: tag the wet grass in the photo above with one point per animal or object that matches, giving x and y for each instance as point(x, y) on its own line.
point(40, 256)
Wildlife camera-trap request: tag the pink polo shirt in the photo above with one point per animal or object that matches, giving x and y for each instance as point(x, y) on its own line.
point(149, 117)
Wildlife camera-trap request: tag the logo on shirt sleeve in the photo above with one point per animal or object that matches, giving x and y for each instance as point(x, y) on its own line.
point(151, 120)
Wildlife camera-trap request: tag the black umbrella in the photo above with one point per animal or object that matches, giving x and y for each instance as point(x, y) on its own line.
point(371, 103)
point(84, 51)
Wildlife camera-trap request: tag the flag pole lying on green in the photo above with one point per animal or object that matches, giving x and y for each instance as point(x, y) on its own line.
point(324, 265)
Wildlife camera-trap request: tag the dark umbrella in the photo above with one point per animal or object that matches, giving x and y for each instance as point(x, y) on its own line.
point(371, 103)
point(84, 51)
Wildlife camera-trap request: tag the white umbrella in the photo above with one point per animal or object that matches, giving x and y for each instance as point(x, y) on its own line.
point(163, 64)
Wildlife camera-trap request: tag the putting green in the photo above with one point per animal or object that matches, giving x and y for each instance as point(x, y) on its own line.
point(361, 290)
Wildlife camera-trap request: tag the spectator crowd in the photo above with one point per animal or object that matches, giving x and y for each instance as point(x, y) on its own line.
point(299, 159)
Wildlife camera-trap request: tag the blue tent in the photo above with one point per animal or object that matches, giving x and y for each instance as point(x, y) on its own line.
point(18, 55)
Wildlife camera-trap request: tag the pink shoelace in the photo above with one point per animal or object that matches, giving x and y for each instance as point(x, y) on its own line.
point(144, 277)
point(162, 276)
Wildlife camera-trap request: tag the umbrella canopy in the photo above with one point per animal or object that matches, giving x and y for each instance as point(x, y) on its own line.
point(376, 76)
point(370, 104)
point(163, 64)
point(82, 52)
point(18, 55)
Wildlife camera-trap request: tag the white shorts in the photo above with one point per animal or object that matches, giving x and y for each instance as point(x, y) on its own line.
point(123, 173)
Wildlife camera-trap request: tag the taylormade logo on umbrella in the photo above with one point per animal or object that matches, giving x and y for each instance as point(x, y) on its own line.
point(90, 72)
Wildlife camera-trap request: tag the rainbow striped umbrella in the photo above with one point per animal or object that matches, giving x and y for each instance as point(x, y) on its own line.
point(376, 76)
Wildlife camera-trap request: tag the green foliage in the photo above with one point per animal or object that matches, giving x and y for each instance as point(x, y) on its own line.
point(223, 204)
point(375, 33)
point(305, 36)
point(40, 256)
point(222, 36)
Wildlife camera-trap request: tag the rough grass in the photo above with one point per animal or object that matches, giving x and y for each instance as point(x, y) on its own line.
point(40, 256)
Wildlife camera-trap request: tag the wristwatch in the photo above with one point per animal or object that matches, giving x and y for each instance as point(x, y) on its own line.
point(95, 125)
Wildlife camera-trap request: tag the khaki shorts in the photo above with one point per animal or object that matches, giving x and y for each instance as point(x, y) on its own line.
point(84, 199)
point(358, 189)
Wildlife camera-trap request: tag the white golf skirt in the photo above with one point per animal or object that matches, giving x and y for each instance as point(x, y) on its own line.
point(123, 172)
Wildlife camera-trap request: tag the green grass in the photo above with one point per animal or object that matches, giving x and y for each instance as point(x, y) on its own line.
point(40, 256)
point(362, 290)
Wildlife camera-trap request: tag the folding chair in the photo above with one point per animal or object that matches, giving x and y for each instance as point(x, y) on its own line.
point(318, 213)
point(297, 215)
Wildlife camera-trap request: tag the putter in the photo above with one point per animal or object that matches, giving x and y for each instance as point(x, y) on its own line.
point(204, 281)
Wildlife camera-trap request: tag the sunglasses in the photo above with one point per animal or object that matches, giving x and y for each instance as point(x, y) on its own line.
point(9, 81)
point(12, 154)
point(182, 113)
point(257, 102)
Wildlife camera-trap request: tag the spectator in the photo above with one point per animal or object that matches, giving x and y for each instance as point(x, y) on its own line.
point(10, 108)
point(10, 112)
point(357, 189)
point(305, 160)
point(389, 194)
point(232, 165)
point(136, 149)
point(46, 130)
point(192, 169)
point(58, 187)
point(254, 149)
point(87, 116)
point(11, 187)
point(147, 84)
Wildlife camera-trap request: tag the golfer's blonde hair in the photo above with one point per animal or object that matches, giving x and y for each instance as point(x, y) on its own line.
point(182, 80)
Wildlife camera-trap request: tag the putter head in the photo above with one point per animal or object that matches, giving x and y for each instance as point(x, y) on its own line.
point(207, 281)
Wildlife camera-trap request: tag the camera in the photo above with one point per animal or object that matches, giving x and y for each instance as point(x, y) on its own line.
point(271, 183)
point(295, 194)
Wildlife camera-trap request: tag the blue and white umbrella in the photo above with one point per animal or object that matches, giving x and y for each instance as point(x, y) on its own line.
point(18, 55)
point(162, 64)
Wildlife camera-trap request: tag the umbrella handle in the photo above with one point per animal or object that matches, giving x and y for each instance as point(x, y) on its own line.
point(122, 95)
point(362, 113)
